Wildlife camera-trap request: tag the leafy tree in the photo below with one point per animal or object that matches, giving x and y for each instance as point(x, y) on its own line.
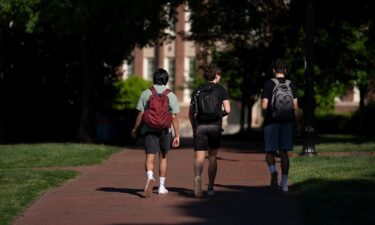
point(248, 31)
point(129, 91)
point(105, 32)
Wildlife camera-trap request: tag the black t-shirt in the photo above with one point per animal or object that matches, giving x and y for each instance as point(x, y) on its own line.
point(267, 93)
point(223, 95)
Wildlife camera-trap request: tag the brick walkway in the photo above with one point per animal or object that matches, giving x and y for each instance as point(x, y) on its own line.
point(111, 194)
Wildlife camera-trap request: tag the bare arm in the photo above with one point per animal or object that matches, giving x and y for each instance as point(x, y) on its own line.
point(176, 128)
point(264, 103)
point(226, 105)
point(137, 124)
point(296, 110)
point(191, 116)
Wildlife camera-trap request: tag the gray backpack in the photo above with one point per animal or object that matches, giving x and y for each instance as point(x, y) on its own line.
point(282, 101)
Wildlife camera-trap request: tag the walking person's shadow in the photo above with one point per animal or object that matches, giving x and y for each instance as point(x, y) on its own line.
point(139, 192)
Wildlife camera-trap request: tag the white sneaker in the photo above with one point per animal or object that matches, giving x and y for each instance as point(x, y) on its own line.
point(198, 187)
point(162, 190)
point(149, 186)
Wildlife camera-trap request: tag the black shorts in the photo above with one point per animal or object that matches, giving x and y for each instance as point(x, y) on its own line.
point(157, 142)
point(207, 137)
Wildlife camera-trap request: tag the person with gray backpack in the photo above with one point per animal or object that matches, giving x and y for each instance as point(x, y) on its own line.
point(280, 106)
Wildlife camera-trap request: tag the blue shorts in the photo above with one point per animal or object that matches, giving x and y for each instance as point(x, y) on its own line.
point(278, 136)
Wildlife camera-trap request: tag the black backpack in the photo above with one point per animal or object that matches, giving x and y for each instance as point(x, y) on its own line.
point(208, 104)
point(282, 101)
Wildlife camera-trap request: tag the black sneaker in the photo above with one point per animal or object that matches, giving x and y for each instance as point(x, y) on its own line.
point(210, 191)
point(274, 186)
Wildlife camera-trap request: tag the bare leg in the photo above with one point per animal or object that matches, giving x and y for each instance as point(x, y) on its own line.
point(162, 164)
point(199, 162)
point(271, 162)
point(198, 168)
point(149, 164)
point(284, 158)
point(212, 166)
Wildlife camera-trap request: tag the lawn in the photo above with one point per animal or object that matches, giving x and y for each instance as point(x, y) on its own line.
point(336, 190)
point(20, 184)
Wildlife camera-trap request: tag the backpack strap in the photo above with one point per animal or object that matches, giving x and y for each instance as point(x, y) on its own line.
point(166, 91)
point(153, 90)
point(276, 81)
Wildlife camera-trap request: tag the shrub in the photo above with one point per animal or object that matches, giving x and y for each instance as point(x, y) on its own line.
point(128, 92)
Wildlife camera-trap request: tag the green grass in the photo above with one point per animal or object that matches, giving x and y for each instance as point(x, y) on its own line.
point(335, 190)
point(20, 185)
point(341, 147)
point(47, 155)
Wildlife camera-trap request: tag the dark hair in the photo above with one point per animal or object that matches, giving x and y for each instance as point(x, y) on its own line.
point(279, 66)
point(160, 77)
point(211, 71)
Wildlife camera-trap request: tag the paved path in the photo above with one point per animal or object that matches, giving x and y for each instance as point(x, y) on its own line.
point(111, 194)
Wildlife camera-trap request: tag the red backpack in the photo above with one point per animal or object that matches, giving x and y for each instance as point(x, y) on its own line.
point(157, 113)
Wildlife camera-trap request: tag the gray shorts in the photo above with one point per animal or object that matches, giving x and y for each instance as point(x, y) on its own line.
point(278, 136)
point(157, 142)
point(207, 137)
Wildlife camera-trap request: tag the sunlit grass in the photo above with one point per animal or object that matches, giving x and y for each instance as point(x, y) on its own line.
point(335, 190)
point(341, 147)
point(21, 184)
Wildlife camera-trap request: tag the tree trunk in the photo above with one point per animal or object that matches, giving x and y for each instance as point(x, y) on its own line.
point(309, 100)
point(87, 118)
point(362, 96)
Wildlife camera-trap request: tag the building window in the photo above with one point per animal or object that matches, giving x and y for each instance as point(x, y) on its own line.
point(127, 69)
point(150, 68)
point(171, 65)
point(191, 68)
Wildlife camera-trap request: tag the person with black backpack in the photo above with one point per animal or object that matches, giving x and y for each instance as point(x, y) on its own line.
point(209, 104)
point(280, 105)
point(158, 108)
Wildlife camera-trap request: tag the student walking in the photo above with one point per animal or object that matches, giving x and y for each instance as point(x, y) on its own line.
point(280, 105)
point(158, 108)
point(205, 114)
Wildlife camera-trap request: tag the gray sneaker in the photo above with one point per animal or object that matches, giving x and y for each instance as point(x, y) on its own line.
point(198, 187)
point(274, 186)
point(149, 186)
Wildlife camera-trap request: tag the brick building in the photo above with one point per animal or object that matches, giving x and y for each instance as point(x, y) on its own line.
point(177, 56)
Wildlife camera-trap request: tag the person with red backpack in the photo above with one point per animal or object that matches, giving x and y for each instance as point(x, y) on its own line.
point(280, 106)
point(209, 104)
point(158, 108)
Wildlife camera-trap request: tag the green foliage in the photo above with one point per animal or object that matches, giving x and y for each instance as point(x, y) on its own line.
point(129, 91)
point(348, 123)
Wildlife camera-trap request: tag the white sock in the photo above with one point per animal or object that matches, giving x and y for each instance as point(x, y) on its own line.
point(272, 168)
point(284, 180)
point(150, 174)
point(162, 181)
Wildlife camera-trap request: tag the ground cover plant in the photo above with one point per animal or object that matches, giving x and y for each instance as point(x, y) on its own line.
point(22, 180)
point(336, 189)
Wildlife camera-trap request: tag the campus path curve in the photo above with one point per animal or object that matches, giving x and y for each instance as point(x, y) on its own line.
point(111, 194)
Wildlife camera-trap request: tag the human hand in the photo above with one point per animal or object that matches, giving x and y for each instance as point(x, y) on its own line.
point(134, 133)
point(176, 142)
